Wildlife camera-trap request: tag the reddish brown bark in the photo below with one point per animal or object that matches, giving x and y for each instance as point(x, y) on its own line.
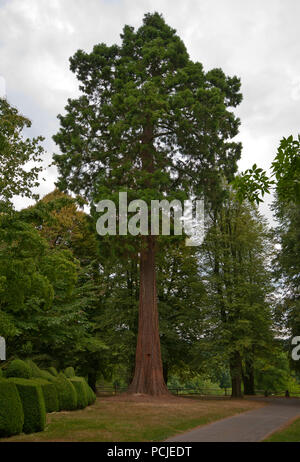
point(148, 376)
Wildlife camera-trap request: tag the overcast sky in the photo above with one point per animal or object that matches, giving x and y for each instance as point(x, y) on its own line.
point(253, 39)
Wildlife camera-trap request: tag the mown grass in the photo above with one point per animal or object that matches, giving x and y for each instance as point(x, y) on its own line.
point(289, 434)
point(123, 418)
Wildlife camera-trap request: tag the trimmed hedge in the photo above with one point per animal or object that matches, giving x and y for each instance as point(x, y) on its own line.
point(67, 396)
point(90, 393)
point(33, 403)
point(52, 371)
point(46, 375)
point(18, 368)
point(36, 372)
point(50, 395)
point(34, 368)
point(82, 398)
point(11, 409)
point(69, 372)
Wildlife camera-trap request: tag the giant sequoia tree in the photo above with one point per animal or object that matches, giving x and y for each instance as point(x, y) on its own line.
point(150, 122)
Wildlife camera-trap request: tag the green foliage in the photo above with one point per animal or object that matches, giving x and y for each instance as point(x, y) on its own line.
point(21, 252)
point(15, 153)
point(11, 410)
point(69, 372)
point(53, 371)
point(286, 168)
point(50, 395)
point(273, 374)
point(287, 268)
point(7, 327)
point(35, 371)
point(47, 375)
point(67, 395)
point(91, 396)
point(37, 292)
point(81, 390)
point(33, 403)
point(18, 368)
point(62, 333)
point(143, 101)
point(234, 259)
point(184, 109)
point(251, 184)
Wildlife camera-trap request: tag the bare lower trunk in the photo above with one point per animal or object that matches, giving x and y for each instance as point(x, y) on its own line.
point(148, 376)
point(248, 378)
point(236, 375)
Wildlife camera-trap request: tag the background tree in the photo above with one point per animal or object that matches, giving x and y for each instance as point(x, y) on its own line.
point(15, 153)
point(150, 122)
point(285, 169)
point(77, 337)
point(235, 264)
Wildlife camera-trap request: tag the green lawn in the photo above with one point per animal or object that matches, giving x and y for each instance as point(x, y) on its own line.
point(123, 418)
point(289, 434)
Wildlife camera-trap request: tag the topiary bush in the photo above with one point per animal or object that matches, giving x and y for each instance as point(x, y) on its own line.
point(34, 368)
point(50, 395)
point(67, 396)
point(53, 371)
point(11, 409)
point(18, 368)
point(82, 398)
point(33, 403)
point(90, 394)
point(46, 375)
point(69, 372)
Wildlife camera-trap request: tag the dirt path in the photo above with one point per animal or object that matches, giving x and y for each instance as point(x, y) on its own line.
point(251, 426)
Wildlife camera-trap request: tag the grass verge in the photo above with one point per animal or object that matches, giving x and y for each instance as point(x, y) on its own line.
point(288, 434)
point(135, 418)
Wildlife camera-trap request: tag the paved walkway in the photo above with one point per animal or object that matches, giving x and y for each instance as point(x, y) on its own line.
point(250, 426)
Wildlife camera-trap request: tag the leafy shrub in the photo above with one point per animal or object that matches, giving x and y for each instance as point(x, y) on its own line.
point(33, 403)
point(67, 396)
point(11, 409)
point(47, 375)
point(82, 398)
point(35, 371)
point(90, 394)
point(53, 371)
point(50, 395)
point(69, 372)
point(18, 368)
point(1, 373)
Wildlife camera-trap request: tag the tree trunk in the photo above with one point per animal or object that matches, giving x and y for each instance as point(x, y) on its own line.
point(166, 372)
point(248, 378)
point(148, 376)
point(236, 375)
